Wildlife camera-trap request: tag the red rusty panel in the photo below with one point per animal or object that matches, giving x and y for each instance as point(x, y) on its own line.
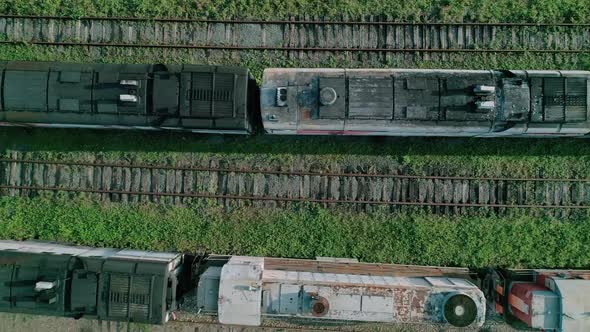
point(499, 308)
point(520, 300)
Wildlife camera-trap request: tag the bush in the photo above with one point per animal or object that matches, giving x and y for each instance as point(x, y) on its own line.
point(535, 11)
point(306, 232)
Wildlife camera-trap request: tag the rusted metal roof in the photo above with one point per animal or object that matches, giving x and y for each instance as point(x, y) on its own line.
point(394, 270)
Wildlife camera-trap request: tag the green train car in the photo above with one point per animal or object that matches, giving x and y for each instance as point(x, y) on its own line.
point(102, 283)
point(196, 98)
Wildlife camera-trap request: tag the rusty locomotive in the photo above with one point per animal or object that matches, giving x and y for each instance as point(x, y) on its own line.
point(409, 102)
point(227, 100)
point(142, 286)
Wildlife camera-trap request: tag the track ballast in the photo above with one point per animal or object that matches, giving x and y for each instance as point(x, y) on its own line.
point(171, 184)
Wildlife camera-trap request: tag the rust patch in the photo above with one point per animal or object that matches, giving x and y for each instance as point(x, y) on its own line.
point(350, 289)
point(306, 114)
point(402, 296)
point(401, 313)
point(303, 265)
point(418, 306)
point(378, 291)
point(320, 307)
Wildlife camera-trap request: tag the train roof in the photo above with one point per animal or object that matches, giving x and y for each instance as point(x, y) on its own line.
point(51, 248)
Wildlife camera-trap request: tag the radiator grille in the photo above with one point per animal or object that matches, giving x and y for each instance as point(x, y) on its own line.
point(212, 95)
point(129, 296)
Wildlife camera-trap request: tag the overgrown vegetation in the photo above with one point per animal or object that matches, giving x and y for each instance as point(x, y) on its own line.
point(537, 11)
point(408, 238)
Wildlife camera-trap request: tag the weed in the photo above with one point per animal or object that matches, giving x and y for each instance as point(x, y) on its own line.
point(536, 11)
point(407, 238)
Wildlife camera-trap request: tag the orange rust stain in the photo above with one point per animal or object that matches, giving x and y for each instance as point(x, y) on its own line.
point(401, 313)
point(402, 296)
point(419, 300)
point(306, 114)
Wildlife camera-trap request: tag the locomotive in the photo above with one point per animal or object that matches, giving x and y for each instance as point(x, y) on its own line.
point(297, 101)
point(142, 286)
point(408, 102)
point(205, 99)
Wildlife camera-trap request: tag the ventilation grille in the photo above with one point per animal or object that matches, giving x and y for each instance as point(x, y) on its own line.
point(565, 99)
point(554, 99)
point(118, 296)
point(212, 95)
point(129, 297)
point(205, 95)
point(576, 99)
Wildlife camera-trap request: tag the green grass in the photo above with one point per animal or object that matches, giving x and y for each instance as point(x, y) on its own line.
point(549, 11)
point(407, 238)
point(486, 157)
point(257, 61)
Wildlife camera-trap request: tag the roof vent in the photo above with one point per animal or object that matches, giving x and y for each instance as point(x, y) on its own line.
point(128, 98)
point(484, 89)
point(129, 82)
point(487, 105)
point(44, 285)
point(328, 96)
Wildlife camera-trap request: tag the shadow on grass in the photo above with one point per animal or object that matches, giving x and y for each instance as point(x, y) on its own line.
point(71, 140)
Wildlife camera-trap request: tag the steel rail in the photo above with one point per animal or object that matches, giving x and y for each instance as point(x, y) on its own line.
point(287, 199)
point(285, 21)
point(287, 173)
point(295, 48)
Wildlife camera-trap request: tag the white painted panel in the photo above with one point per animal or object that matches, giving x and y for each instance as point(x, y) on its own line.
point(379, 304)
point(240, 291)
point(340, 302)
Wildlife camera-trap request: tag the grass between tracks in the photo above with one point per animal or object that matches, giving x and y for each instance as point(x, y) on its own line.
point(535, 11)
point(409, 238)
point(257, 61)
point(562, 158)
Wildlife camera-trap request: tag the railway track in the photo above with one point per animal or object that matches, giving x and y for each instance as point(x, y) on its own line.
point(235, 187)
point(297, 36)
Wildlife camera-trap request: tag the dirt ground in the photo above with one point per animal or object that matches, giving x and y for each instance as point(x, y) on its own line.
point(19, 322)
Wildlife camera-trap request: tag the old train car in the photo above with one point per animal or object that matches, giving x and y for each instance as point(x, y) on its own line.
point(549, 300)
point(141, 286)
point(102, 283)
point(177, 97)
point(403, 102)
point(243, 290)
